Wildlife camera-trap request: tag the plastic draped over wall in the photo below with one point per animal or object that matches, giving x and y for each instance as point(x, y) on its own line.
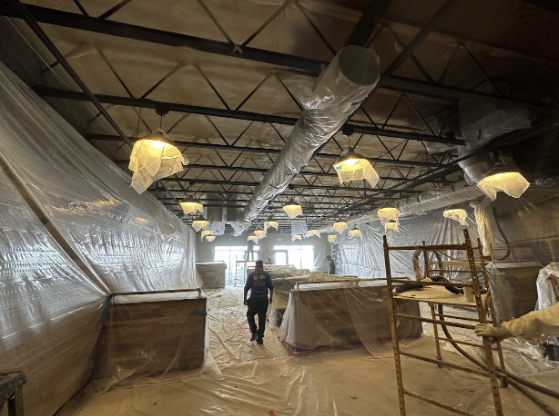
point(364, 256)
point(99, 237)
point(343, 85)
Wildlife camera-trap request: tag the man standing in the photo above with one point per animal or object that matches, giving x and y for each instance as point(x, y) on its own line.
point(258, 282)
point(332, 266)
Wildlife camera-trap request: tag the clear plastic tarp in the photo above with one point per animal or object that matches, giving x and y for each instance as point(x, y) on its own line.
point(548, 292)
point(72, 231)
point(299, 227)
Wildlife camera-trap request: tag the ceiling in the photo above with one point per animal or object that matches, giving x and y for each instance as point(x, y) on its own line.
point(233, 77)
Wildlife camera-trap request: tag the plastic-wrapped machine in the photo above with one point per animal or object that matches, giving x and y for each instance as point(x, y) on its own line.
point(343, 313)
point(150, 334)
point(212, 274)
point(548, 292)
point(513, 288)
point(279, 270)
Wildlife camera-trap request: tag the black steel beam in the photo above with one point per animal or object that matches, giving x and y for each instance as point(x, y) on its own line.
point(46, 91)
point(338, 196)
point(263, 171)
point(203, 145)
point(371, 17)
point(311, 66)
point(304, 203)
point(295, 186)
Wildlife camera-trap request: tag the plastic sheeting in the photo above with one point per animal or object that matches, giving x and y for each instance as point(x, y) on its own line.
point(255, 380)
point(299, 227)
point(212, 274)
point(511, 183)
point(152, 160)
point(548, 291)
point(360, 169)
point(343, 85)
point(343, 313)
point(72, 232)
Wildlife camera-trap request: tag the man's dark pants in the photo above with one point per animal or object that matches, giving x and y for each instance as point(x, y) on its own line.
point(257, 306)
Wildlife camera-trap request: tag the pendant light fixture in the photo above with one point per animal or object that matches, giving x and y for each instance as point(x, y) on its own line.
point(210, 238)
point(505, 176)
point(252, 238)
point(332, 238)
point(205, 233)
point(313, 232)
point(191, 206)
point(340, 226)
point(297, 237)
point(351, 166)
point(392, 225)
point(260, 233)
point(199, 223)
point(154, 157)
point(270, 223)
point(388, 212)
point(456, 214)
point(355, 232)
point(293, 209)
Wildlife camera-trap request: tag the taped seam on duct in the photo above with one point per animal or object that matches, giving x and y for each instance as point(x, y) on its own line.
point(343, 85)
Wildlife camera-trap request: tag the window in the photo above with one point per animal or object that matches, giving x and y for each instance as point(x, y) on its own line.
point(300, 256)
point(230, 255)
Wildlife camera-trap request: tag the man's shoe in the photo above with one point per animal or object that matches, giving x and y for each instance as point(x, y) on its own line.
point(253, 337)
point(259, 340)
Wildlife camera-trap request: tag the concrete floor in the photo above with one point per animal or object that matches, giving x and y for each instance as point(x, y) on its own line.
point(242, 378)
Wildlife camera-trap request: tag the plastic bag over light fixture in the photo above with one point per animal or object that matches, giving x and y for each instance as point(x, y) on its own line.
point(392, 225)
point(313, 232)
point(293, 209)
point(355, 232)
point(332, 238)
point(154, 157)
point(340, 226)
point(191, 206)
point(297, 237)
point(260, 233)
point(204, 234)
point(270, 223)
point(351, 166)
point(210, 238)
point(506, 177)
point(456, 214)
point(388, 212)
point(199, 223)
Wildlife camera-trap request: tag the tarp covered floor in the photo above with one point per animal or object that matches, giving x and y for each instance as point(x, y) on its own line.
point(243, 378)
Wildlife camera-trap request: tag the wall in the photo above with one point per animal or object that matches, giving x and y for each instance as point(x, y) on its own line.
point(204, 250)
point(72, 232)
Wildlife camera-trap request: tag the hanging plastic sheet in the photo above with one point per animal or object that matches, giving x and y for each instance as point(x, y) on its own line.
point(127, 241)
point(298, 227)
point(548, 291)
point(99, 237)
point(49, 309)
point(364, 256)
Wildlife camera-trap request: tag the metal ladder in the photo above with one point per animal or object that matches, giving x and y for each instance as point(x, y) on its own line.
point(485, 369)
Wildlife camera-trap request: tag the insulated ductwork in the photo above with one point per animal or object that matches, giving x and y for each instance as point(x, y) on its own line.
point(341, 88)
